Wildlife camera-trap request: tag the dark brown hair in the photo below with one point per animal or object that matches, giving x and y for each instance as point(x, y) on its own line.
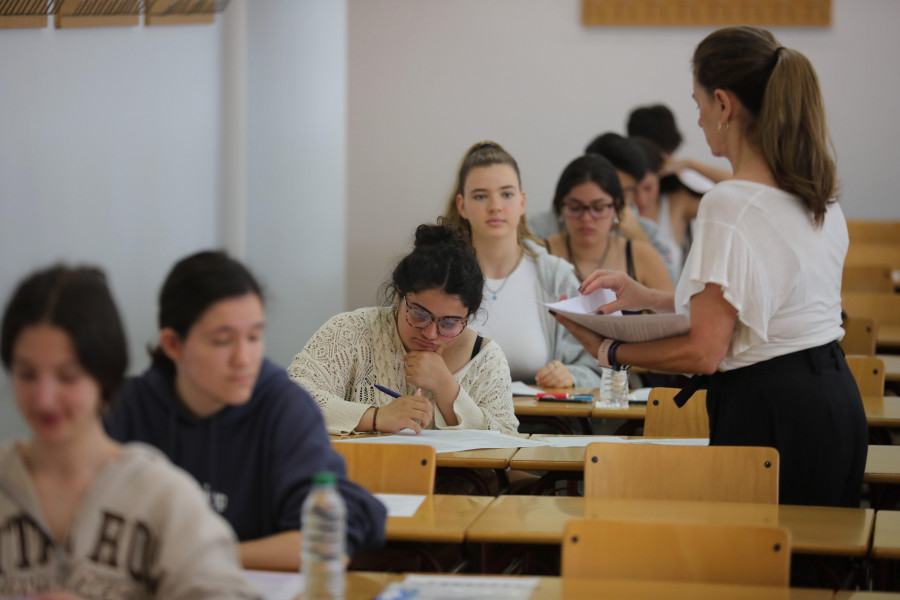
point(786, 114)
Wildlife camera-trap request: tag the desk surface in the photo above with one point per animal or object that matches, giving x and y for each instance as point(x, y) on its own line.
point(530, 406)
point(883, 464)
point(882, 411)
point(888, 335)
point(886, 539)
point(440, 518)
point(891, 366)
point(486, 458)
point(542, 520)
point(362, 585)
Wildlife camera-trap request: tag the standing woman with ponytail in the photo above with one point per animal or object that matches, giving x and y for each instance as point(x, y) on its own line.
point(762, 281)
point(488, 205)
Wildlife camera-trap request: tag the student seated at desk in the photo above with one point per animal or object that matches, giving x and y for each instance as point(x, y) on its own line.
point(232, 418)
point(418, 345)
point(589, 199)
point(82, 516)
point(488, 205)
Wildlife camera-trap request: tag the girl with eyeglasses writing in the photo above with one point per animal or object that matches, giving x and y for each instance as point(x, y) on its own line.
point(418, 345)
point(589, 198)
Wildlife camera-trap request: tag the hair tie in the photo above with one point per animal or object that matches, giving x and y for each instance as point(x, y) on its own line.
point(777, 52)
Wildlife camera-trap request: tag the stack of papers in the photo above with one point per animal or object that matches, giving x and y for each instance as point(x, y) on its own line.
point(626, 328)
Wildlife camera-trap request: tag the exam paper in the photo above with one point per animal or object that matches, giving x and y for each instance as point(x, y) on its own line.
point(626, 328)
point(520, 388)
point(460, 587)
point(451, 440)
point(574, 441)
point(401, 505)
point(273, 585)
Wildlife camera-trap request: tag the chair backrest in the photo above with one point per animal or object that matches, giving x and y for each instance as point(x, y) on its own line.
point(668, 472)
point(867, 278)
point(665, 419)
point(666, 551)
point(860, 336)
point(389, 468)
point(867, 232)
point(873, 253)
point(869, 374)
point(884, 307)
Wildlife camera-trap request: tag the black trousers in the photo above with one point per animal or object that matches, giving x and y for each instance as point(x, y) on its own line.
point(806, 405)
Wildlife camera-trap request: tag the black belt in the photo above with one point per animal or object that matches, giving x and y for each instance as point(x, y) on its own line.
point(818, 359)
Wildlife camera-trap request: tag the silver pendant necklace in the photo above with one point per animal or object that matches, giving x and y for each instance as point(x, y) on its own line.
point(505, 279)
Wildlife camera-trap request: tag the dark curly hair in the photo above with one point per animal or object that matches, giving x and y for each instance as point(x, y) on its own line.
point(442, 259)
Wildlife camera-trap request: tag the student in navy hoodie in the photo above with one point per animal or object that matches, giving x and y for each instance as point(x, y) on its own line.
point(231, 418)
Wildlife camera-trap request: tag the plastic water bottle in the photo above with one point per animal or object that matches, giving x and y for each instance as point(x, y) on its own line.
point(323, 522)
point(618, 388)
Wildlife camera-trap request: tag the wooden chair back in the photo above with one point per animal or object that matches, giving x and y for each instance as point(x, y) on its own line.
point(667, 551)
point(668, 472)
point(389, 468)
point(884, 307)
point(873, 253)
point(867, 232)
point(867, 278)
point(869, 374)
point(665, 419)
point(860, 336)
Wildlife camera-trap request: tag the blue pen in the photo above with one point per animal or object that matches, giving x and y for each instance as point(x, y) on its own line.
point(387, 391)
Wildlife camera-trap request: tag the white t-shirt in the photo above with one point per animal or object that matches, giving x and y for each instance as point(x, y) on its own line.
point(513, 320)
point(781, 273)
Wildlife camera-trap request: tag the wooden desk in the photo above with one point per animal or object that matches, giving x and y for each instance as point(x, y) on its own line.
point(882, 464)
point(888, 336)
point(486, 458)
point(886, 539)
point(441, 518)
point(529, 406)
point(882, 411)
point(860, 595)
point(542, 519)
point(891, 366)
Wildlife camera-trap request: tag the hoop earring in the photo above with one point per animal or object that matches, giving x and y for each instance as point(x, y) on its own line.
point(727, 124)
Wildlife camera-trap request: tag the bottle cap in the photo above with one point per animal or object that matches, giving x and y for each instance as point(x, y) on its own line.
point(324, 478)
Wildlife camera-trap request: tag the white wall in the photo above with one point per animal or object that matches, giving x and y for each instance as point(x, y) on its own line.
point(108, 155)
point(428, 79)
point(297, 164)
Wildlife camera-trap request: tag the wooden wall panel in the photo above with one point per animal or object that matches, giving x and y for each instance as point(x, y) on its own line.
point(786, 13)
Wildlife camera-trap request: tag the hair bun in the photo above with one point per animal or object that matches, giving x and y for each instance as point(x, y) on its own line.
point(441, 233)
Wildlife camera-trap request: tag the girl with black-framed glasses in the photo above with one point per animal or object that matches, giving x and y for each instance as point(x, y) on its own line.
point(413, 362)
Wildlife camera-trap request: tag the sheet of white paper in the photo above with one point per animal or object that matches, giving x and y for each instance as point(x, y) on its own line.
point(572, 441)
point(453, 440)
point(276, 586)
point(640, 394)
point(460, 587)
point(627, 328)
point(401, 505)
point(520, 388)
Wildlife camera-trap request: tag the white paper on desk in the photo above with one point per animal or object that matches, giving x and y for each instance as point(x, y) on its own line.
point(401, 505)
point(627, 328)
point(452, 440)
point(276, 586)
point(520, 388)
point(616, 439)
point(460, 587)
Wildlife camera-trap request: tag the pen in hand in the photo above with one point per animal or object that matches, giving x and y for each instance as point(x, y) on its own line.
point(387, 391)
